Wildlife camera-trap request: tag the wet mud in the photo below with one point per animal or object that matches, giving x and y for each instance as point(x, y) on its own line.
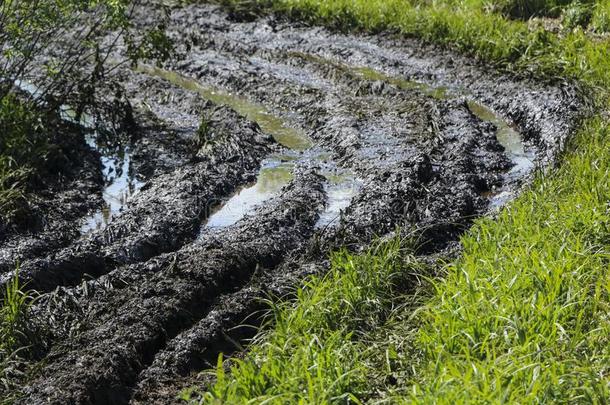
point(165, 214)
point(154, 301)
point(264, 146)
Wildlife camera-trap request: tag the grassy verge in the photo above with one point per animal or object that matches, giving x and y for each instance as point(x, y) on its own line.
point(521, 317)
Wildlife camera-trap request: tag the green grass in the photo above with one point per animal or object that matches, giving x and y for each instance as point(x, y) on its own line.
point(577, 15)
point(320, 333)
point(521, 316)
point(16, 336)
point(600, 21)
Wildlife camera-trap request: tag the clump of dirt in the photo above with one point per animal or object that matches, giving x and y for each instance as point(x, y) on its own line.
point(396, 134)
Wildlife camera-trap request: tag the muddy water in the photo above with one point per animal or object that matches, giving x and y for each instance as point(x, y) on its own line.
point(120, 183)
point(509, 138)
point(284, 135)
point(274, 174)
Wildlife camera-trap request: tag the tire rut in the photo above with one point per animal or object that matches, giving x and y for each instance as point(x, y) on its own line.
point(129, 325)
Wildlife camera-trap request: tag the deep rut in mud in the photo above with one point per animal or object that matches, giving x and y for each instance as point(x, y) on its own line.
point(261, 149)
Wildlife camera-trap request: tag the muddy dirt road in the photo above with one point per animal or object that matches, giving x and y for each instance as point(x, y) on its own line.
point(264, 146)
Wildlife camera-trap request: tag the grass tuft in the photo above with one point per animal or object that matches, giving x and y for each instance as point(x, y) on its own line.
point(17, 336)
point(577, 15)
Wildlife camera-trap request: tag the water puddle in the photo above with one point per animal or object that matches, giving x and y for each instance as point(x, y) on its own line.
point(30, 88)
point(367, 73)
point(269, 123)
point(441, 92)
point(275, 173)
point(509, 138)
point(119, 181)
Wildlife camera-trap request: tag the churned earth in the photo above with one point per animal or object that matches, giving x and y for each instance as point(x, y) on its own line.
point(260, 149)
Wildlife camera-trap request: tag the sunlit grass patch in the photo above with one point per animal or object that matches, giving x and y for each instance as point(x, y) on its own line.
point(317, 350)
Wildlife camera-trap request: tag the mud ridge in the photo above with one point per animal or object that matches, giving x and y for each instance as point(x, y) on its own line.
point(227, 329)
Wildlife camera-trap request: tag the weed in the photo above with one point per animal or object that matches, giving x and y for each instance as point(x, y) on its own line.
point(577, 15)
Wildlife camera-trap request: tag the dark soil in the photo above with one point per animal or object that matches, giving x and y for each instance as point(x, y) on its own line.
point(145, 303)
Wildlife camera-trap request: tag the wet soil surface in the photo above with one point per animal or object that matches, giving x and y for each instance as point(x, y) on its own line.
point(262, 148)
